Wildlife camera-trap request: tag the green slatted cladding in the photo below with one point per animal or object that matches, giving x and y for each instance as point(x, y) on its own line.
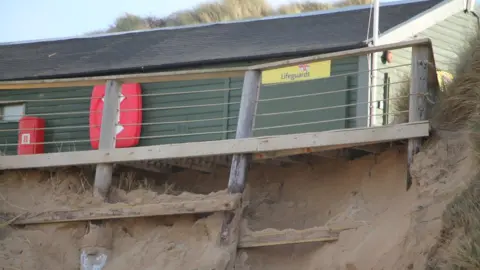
point(68, 101)
point(161, 121)
point(174, 108)
point(311, 98)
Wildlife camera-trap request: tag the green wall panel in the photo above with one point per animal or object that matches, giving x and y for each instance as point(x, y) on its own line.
point(176, 112)
point(185, 111)
point(74, 103)
point(302, 103)
point(348, 66)
point(343, 77)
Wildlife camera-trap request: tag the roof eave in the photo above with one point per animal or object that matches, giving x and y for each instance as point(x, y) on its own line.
point(419, 23)
point(193, 64)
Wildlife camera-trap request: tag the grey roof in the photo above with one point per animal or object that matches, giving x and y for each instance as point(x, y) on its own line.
point(171, 48)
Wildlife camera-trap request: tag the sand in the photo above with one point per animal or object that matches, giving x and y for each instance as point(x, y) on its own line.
point(144, 243)
point(399, 226)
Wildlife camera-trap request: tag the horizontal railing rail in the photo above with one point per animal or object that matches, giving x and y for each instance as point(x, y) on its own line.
point(196, 74)
point(342, 54)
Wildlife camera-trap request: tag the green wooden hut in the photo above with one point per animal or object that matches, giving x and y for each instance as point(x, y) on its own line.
point(184, 115)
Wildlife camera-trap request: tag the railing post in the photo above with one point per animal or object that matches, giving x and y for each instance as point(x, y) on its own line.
point(417, 102)
point(96, 244)
point(103, 174)
point(248, 106)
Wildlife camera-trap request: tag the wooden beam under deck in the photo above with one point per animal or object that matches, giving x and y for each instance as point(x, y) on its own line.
point(287, 155)
point(203, 204)
point(292, 157)
point(274, 237)
point(309, 142)
point(283, 237)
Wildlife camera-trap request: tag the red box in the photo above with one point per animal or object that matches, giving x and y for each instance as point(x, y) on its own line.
point(31, 135)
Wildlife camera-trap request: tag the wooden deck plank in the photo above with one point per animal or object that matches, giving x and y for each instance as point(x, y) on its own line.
point(218, 203)
point(272, 237)
point(292, 152)
point(285, 237)
point(328, 140)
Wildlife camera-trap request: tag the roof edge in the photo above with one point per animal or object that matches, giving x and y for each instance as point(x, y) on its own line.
point(421, 22)
point(313, 13)
point(189, 65)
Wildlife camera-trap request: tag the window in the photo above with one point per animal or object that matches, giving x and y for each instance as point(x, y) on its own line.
point(11, 112)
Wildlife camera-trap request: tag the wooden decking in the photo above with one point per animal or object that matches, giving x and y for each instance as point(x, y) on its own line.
point(264, 147)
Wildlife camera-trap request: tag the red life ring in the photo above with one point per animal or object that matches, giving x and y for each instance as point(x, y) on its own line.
point(130, 117)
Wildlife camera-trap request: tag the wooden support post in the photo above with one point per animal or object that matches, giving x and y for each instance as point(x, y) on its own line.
point(103, 174)
point(246, 117)
point(418, 105)
point(238, 170)
point(97, 242)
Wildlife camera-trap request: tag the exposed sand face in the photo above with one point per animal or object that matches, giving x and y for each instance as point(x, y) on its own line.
point(138, 244)
point(146, 243)
point(399, 226)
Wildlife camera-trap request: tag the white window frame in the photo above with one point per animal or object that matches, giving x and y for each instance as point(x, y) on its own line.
point(12, 118)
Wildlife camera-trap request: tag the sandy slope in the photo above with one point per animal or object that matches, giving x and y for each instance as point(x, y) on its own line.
point(399, 226)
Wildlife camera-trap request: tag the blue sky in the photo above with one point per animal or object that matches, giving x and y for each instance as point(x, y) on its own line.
point(41, 19)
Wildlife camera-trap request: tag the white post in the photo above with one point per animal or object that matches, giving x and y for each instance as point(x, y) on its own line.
point(374, 64)
point(376, 20)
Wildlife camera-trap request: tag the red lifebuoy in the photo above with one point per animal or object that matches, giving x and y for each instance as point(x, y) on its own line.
point(130, 117)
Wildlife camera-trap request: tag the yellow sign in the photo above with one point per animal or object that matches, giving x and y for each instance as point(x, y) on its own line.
point(303, 72)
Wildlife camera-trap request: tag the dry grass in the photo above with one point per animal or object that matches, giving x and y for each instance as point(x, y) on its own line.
point(458, 105)
point(459, 247)
point(294, 8)
point(346, 3)
point(222, 10)
point(400, 101)
point(458, 108)
point(130, 180)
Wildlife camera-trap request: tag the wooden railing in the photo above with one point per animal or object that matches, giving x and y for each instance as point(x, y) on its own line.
point(423, 77)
